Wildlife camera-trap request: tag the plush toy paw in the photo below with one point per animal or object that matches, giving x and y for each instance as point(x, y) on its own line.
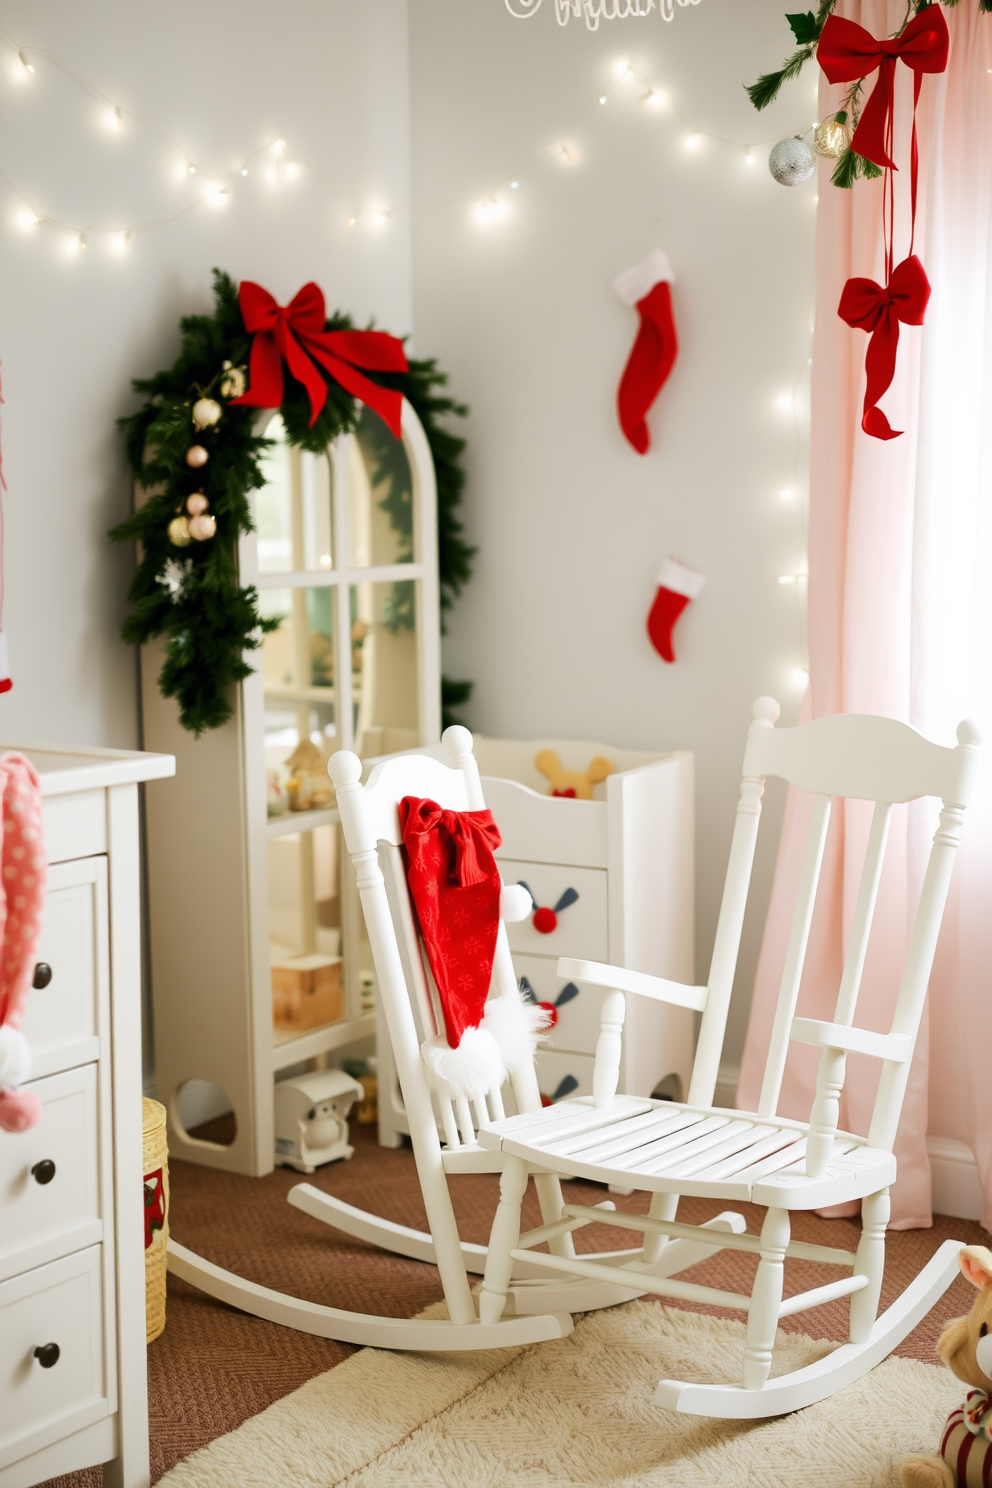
point(926, 1472)
point(15, 1057)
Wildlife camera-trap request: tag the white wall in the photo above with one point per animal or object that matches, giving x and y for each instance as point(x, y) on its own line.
point(222, 79)
point(571, 523)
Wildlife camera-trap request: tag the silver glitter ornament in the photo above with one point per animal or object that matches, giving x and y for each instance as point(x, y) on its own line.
point(792, 161)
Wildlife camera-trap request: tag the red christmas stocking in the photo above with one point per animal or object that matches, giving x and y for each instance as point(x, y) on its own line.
point(647, 286)
point(677, 584)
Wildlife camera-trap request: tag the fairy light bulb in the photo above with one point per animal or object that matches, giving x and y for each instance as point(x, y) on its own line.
point(602, 98)
point(655, 98)
point(748, 155)
point(115, 119)
point(29, 219)
point(692, 140)
point(28, 66)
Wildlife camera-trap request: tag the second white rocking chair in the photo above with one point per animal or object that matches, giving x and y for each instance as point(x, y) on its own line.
point(692, 1148)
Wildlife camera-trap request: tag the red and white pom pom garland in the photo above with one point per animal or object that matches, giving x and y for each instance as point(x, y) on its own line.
point(677, 584)
point(646, 286)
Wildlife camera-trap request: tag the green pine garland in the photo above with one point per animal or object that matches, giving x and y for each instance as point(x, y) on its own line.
point(806, 27)
point(192, 595)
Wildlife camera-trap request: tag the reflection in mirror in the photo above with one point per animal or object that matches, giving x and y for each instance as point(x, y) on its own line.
point(305, 931)
point(299, 698)
point(293, 508)
point(380, 496)
point(385, 659)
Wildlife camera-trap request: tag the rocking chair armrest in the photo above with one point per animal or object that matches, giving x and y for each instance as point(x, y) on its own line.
point(897, 1047)
point(619, 979)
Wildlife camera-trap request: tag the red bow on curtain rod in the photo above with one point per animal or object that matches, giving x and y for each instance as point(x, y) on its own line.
point(295, 333)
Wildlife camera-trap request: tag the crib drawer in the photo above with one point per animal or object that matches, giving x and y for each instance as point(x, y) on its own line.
point(577, 1009)
point(560, 1074)
point(71, 977)
point(49, 1175)
point(579, 929)
point(62, 1305)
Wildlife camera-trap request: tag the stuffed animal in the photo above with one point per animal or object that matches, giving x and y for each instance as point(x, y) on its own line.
point(966, 1348)
point(572, 783)
point(22, 899)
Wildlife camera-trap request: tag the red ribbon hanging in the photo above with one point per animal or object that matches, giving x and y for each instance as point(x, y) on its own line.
point(455, 886)
point(878, 309)
point(295, 333)
point(846, 52)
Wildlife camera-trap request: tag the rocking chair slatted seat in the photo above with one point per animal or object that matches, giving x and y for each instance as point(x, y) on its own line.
point(669, 1149)
point(444, 1132)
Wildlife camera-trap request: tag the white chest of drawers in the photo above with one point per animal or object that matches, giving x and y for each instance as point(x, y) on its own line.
point(73, 1382)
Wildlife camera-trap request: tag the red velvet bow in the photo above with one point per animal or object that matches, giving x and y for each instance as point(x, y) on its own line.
point(846, 51)
point(295, 333)
point(455, 886)
point(870, 307)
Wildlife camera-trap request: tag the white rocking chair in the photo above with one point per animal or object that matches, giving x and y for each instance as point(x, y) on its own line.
point(533, 1305)
point(692, 1148)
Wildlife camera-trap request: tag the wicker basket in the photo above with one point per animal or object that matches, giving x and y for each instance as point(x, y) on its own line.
point(156, 1169)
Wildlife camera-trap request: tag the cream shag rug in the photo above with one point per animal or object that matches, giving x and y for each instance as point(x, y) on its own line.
point(576, 1411)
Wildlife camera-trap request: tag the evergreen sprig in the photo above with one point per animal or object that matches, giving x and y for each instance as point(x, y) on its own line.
point(805, 27)
point(192, 597)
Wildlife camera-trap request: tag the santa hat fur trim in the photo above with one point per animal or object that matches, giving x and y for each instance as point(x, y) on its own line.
point(505, 1039)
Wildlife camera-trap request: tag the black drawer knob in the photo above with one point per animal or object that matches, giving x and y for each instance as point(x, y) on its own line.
point(42, 975)
point(43, 1172)
point(47, 1355)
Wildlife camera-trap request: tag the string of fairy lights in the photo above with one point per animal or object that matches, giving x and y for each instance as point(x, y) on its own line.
point(276, 164)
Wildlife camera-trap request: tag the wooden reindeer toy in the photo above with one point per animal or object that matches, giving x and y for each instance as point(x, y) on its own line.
point(966, 1348)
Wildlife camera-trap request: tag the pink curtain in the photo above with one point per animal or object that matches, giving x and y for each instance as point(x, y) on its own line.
point(900, 618)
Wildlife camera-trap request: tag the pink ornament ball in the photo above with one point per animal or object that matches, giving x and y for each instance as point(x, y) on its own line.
point(196, 456)
point(196, 503)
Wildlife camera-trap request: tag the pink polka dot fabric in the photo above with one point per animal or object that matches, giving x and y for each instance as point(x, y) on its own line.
point(22, 901)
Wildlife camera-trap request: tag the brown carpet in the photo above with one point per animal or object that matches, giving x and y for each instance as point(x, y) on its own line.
point(213, 1367)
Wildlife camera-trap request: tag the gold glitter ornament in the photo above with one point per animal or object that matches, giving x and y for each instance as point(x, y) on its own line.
point(206, 411)
point(233, 382)
point(831, 138)
point(179, 532)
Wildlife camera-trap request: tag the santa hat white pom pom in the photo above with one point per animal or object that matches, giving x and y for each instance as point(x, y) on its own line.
point(517, 1027)
point(15, 1058)
point(472, 1069)
point(514, 903)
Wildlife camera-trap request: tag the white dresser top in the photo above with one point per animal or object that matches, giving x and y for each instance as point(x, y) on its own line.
point(64, 768)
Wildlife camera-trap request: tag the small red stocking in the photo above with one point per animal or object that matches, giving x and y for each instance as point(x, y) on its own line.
point(677, 584)
point(647, 286)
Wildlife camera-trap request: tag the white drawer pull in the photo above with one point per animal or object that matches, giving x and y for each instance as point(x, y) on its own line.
point(47, 1355)
point(42, 975)
point(43, 1172)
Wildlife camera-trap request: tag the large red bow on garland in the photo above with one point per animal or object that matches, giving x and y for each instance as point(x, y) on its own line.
point(455, 886)
point(878, 310)
point(846, 52)
point(295, 333)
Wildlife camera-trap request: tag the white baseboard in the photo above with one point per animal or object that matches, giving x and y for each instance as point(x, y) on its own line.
point(957, 1188)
